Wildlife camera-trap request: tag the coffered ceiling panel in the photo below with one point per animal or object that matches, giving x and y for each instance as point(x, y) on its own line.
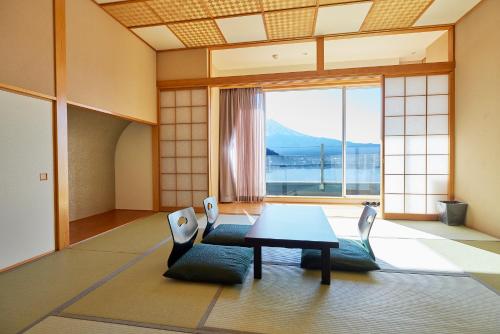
point(445, 11)
point(198, 33)
point(242, 28)
point(200, 23)
point(233, 7)
point(390, 14)
point(342, 18)
point(285, 4)
point(133, 13)
point(179, 10)
point(290, 23)
point(159, 37)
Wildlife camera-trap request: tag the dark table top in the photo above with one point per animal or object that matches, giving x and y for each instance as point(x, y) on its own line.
point(292, 226)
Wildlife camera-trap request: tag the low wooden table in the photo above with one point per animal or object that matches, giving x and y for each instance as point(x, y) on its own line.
point(293, 226)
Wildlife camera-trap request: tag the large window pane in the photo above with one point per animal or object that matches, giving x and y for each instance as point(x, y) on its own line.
point(363, 115)
point(304, 142)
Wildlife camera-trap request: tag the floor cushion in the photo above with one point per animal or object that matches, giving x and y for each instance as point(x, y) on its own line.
point(228, 234)
point(214, 264)
point(350, 256)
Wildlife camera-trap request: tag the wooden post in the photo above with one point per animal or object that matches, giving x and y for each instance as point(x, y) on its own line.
point(60, 128)
point(320, 54)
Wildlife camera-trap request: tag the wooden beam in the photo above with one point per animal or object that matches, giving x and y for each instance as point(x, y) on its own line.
point(451, 136)
point(451, 44)
point(112, 113)
point(26, 92)
point(258, 79)
point(60, 128)
point(155, 138)
point(320, 54)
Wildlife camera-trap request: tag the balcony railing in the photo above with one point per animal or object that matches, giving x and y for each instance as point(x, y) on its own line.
point(317, 171)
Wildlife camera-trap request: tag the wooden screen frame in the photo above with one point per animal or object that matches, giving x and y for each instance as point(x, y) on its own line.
point(451, 144)
point(158, 140)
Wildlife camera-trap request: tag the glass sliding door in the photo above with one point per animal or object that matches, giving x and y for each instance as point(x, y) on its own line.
point(362, 140)
point(304, 146)
point(323, 142)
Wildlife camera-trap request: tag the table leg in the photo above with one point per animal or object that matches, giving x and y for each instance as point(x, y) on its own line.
point(257, 262)
point(325, 266)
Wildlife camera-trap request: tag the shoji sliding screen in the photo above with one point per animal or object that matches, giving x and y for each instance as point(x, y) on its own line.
point(183, 148)
point(416, 148)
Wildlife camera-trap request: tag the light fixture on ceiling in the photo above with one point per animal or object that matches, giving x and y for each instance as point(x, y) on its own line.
point(275, 56)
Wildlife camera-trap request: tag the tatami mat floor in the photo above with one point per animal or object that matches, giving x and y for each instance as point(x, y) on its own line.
point(434, 278)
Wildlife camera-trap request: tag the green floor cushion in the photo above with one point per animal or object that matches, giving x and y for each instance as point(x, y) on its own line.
point(213, 264)
point(350, 256)
point(228, 234)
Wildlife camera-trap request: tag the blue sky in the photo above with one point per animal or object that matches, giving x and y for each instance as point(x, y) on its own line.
point(318, 112)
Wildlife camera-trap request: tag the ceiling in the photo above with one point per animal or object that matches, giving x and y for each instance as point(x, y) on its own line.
point(176, 24)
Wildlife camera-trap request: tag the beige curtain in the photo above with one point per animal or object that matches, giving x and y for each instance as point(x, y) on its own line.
point(242, 147)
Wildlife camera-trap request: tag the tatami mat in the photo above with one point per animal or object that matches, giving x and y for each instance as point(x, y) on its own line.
point(382, 228)
point(134, 237)
point(60, 325)
point(142, 294)
point(290, 300)
point(35, 289)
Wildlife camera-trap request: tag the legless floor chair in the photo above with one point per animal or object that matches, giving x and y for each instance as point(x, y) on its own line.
point(352, 255)
point(203, 262)
point(224, 234)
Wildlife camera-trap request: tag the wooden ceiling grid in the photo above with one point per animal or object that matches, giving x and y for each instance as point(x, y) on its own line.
point(193, 21)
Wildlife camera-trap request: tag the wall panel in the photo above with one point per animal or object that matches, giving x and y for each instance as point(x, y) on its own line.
point(27, 45)
point(185, 64)
point(108, 67)
point(477, 108)
point(134, 168)
point(26, 202)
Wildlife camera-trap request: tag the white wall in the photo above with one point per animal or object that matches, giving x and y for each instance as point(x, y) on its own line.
point(134, 168)
point(26, 203)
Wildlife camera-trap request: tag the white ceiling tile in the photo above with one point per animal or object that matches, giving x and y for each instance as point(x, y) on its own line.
point(445, 11)
point(159, 37)
point(242, 28)
point(341, 18)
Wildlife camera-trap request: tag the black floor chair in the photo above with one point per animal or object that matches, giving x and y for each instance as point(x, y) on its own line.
point(203, 262)
point(224, 234)
point(352, 255)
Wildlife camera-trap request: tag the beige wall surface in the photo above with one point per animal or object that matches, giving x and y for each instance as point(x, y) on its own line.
point(92, 139)
point(108, 67)
point(438, 50)
point(186, 64)
point(477, 163)
point(26, 203)
point(134, 168)
point(27, 45)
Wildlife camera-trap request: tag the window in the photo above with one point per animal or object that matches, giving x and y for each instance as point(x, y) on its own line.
point(323, 142)
point(362, 120)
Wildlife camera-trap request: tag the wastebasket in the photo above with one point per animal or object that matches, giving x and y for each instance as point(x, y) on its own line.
point(452, 212)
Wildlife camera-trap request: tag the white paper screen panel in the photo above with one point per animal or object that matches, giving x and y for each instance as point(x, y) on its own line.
point(183, 148)
point(416, 143)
